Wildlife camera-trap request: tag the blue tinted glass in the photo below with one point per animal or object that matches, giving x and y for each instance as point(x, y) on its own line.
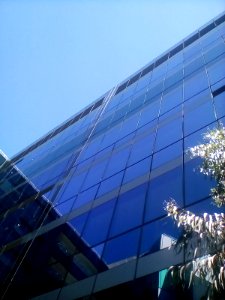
point(217, 49)
point(219, 102)
point(197, 185)
point(216, 70)
point(114, 101)
point(192, 49)
point(175, 60)
point(154, 234)
point(137, 101)
point(129, 125)
point(111, 136)
point(194, 65)
point(65, 207)
point(171, 98)
point(86, 196)
point(206, 206)
point(78, 223)
point(98, 223)
point(141, 148)
point(143, 82)
point(172, 152)
point(95, 174)
point(110, 184)
point(162, 188)
point(209, 38)
point(117, 162)
point(173, 78)
point(91, 149)
point(121, 248)
point(137, 170)
point(119, 114)
point(159, 71)
point(150, 112)
point(155, 89)
point(73, 186)
point(201, 105)
point(129, 210)
point(169, 129)
point(195, 84)
point(195, 139)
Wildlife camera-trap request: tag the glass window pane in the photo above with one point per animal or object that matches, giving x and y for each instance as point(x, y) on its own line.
point(123, 247)
point(97, 225)
point(219, 102)
point(169, 128)
point(117, 162)
point(216, 70)
point(197, 185)
point(161, 188)
point(194, 84)
point(171, 98)
point(110, 184)
point(137, 170)
point(198, 112)
point(141, 148)
point(129, 210)
point(155, 233)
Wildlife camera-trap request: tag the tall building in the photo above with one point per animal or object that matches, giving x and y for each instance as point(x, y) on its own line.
point(82, 209)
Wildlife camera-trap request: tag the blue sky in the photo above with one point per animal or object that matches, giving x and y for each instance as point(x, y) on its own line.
point(57, 56)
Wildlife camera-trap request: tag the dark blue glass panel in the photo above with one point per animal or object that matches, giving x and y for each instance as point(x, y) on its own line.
point(78, 223)
point(111, 136)
point(95, 174)
point(129, 210)
point(209, 38)
point(121, 248)
point(171, 98)
point(98, 222)
point(198, 112)
point(155, 89)
point(197, 185)
point(114, 102)
point(137, 101)
point(150, 112)
point(173, 78)
point(205, 206)
point(194, 65)
point(119, 114)
point(65, 207)
point(159, 71)
point(219, 102)
point(86, 196)
point(110, 184)
point(129, 125)
point(137, 170)
point(141, 148)
point(191, 50)
point(72, 187)
point(216, 69)
point(216, 50)
point(194, 84)
point(143, 82)
point(196, 138)
point(117, 162)
point(172, 152)
point(169, 129)
point(162, 188)
point(175, 60)
point(154, 234)
point(90, 149)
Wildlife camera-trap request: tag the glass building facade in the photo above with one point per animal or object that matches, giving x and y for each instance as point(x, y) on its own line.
point(82, 209)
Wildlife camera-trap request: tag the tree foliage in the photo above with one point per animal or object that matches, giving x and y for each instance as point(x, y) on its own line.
point(203, 238)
